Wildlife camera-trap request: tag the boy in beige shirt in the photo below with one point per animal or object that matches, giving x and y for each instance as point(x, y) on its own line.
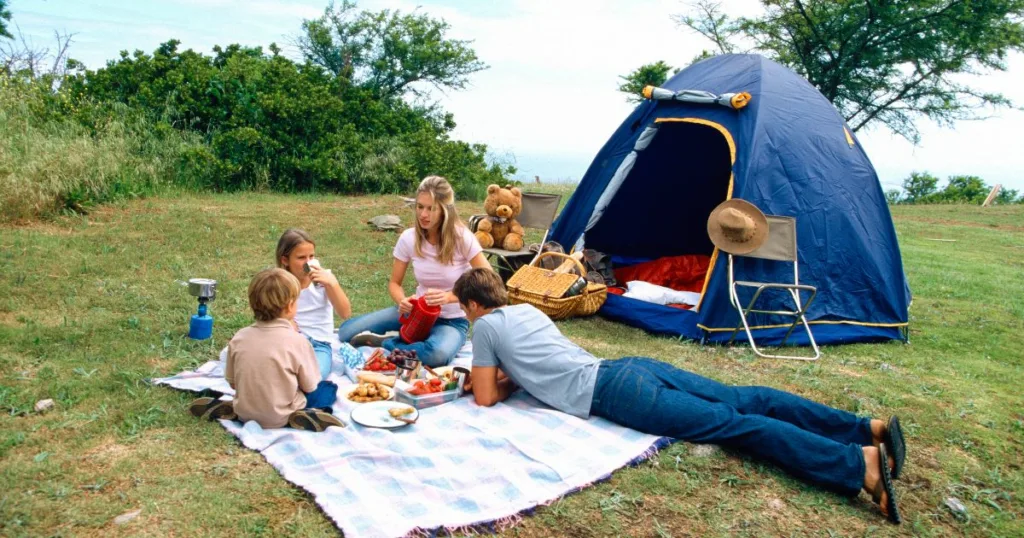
point(272, 366)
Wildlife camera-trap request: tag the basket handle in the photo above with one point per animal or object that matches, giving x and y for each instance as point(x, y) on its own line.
point(543, 255)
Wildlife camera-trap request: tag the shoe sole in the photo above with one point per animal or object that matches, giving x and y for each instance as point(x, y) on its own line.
point(327, 419)
point(895, 442)
point(200, 406)
point(890, 490)
point(313, 421)
point(371, 340)
point(301, 420)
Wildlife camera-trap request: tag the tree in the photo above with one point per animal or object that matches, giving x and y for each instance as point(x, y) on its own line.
point(5, 16)
point(919, 187)
point(646, 75)
point(888, 62)
point(1008, 196)
point(893, 196)
point(387, 52)
point(964, 189)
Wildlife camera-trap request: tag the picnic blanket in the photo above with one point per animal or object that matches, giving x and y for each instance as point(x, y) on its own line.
point(459, 467)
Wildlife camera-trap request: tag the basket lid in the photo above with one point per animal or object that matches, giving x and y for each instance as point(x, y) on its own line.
point(542, 281)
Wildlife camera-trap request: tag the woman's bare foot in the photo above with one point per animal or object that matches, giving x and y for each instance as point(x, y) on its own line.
point(877, 431)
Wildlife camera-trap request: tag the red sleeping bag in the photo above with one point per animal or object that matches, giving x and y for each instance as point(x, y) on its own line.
point(682, 273)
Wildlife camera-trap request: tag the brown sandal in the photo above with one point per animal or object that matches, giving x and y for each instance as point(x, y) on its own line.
point(885, 492)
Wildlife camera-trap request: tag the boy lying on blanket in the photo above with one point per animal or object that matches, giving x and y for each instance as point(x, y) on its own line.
point(272, 366)
point(519, 346)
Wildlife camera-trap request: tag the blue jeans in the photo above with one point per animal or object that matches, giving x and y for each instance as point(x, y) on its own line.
point(445, 340)
point(323, 353)
point(809, 440)
point(323, 396)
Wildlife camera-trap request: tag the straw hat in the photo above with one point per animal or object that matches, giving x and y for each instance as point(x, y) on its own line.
point(737, 226)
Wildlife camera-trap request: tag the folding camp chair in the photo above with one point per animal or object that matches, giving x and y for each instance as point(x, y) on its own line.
point(779, 246)
point(538, 212)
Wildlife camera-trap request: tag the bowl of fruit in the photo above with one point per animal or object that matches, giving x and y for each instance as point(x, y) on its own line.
point(379, 362)
point(406, 363)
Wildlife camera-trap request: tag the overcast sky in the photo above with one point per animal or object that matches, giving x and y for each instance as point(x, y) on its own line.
point(548, 102)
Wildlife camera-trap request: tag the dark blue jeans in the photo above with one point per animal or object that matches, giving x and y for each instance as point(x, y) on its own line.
point(323, 396)
point(809, 440)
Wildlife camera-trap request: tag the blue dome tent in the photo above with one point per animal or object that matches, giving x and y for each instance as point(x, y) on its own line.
point(649, 192)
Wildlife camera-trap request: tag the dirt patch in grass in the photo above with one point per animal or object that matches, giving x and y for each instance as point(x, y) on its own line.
point(951, 222)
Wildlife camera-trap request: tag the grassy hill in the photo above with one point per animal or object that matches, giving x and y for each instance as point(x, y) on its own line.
point(90, 309)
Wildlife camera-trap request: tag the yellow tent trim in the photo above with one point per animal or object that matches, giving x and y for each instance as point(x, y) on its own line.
point(849, 137)
point(782, 325)
point(728, 195)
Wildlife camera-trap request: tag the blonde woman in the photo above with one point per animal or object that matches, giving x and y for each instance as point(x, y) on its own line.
point(440, 248)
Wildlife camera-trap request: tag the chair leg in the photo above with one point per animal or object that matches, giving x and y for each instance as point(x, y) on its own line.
point(746, 324)
point(796, 318)
point(799, 317)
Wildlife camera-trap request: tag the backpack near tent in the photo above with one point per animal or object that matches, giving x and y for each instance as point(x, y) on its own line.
point(649, 192)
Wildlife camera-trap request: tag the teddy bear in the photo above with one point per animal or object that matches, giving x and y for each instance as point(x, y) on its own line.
point(500, 227)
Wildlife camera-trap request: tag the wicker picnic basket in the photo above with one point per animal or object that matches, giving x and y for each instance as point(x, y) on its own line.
point(545, 288)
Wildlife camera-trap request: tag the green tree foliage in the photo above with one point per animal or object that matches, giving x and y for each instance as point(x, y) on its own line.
point(1009, 196)
point(893, 196)
point(272, 123)
point(922, 188)
point(5, 16)
point(964, 189)
point(919, 186)
point(654, 74)
point(881, 62)
point(388, 53)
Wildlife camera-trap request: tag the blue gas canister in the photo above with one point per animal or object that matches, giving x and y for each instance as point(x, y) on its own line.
point(200, 326)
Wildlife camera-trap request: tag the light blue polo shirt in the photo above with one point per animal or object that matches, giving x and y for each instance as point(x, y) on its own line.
point(530, 349)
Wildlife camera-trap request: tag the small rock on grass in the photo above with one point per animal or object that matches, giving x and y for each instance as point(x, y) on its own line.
point(703, 451)
point(43, 406)
point(126, 517)
point(776, 505)
point(956, 507)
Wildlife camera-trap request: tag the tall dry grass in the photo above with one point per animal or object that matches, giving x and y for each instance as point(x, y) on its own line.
point(56, 157)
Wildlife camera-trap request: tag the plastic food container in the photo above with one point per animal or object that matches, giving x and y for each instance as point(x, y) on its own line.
point(427, 400)
point(424, 401)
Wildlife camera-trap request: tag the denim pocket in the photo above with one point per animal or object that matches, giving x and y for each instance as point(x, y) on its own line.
point(629, 396)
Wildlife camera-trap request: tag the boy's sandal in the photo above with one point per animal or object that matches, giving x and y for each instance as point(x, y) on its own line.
point(885, 492)
point(212, 409)
point(200, 406)
point(311, 420)
point(895, 442)
point(327, 419)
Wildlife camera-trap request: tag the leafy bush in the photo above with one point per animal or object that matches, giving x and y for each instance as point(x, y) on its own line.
point(275, 124)
point(56, 156)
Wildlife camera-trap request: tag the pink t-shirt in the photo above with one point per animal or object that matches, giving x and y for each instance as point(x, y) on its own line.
point(431, 273)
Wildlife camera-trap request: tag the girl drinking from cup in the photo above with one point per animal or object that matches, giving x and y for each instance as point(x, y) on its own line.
point(440, 248)
point(321, 296)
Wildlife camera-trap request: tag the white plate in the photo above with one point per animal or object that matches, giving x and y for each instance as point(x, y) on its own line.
point(375, 415)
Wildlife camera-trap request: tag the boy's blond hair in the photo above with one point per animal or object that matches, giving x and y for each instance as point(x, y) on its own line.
point(271, 292)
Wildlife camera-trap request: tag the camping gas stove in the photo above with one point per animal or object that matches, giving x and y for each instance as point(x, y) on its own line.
point(200, 327)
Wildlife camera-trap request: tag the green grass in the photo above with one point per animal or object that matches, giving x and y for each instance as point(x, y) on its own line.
point(89, 309)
